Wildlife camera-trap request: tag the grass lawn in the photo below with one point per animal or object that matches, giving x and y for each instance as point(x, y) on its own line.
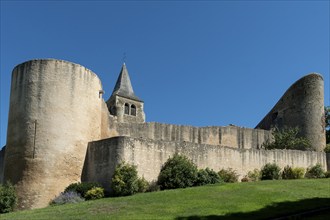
point(254, 200)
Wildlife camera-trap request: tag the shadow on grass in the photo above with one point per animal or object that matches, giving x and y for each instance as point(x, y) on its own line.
point(316, 208)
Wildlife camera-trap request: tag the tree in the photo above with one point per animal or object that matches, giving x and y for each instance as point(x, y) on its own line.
point(287, 138)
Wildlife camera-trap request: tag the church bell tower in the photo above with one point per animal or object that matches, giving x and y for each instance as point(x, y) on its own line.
point(123, 103)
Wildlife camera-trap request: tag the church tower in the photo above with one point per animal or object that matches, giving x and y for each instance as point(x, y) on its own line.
point(123, 103)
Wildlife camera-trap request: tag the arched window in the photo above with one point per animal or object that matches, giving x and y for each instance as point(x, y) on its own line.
point(133, 110)
point(126, 109)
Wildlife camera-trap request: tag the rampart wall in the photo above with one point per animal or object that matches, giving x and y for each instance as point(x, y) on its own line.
point(302, 106)
point(231, 136)
point(328, 161)
point(149, 155)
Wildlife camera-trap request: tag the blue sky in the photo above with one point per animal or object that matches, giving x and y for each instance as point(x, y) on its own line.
point(196, 63)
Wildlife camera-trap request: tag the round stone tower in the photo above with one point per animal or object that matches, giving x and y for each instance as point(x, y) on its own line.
point(55, 110)
point(302, 106)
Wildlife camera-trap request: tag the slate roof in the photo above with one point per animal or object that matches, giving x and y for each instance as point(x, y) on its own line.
point(123, 85)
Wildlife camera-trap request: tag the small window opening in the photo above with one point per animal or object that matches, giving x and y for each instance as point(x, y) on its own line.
point(274, 116)
point(133, 110)
point(126, 109)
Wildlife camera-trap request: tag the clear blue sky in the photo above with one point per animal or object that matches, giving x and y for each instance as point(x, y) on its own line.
point(193, 62)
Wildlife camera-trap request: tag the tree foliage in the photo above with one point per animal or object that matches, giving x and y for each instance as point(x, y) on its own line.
point(8, 197)
point(327, 123)
point(287, 138)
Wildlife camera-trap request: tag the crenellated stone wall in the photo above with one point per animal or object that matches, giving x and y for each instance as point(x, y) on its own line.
point(231, 136)
point(149, 155)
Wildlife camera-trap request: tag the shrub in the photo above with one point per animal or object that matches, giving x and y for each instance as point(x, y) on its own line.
point(293, 173)
point(315, 172)
point(327, 148)
point(287, 138)
point(143, 185)
point(245, 179)
point(270, 172)
point(153, 187)
point(228, 175)
point(177, 172)
point(207, 176)
point(287, 173)
point(298, 172)
point(213, 176)
point(94, 193)
point(202, 178)
point(254, 175)
point(327, 174)
point(8, 199)
point(81, 188)
point(67, 197)
point(125, 180)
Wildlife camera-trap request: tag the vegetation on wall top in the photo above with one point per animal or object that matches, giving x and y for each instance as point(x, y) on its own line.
point(287, 138)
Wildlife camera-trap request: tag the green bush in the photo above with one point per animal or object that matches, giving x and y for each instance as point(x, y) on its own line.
point(254, 175)
point(315, 172)
point(143, 185)
point(228, 175)
point(177, 172)
point(327, 148)
point(67, 197)
point(8, 199)
point(270, 172)
point(287, 138)
point(94, 193)
point(202, 178)
point(287, 173)
point(245, 179)
point(207, 176)
point(298, 172)
point(293, 173)
point(81, 188)
point(327, 174)
point(153, 187)
point(125, 180)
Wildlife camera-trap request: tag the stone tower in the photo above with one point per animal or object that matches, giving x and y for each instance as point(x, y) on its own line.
point(302, 106)
point(55, 110)
point(123, 103)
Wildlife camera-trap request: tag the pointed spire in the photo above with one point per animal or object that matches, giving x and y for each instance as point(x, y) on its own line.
point(123, 85)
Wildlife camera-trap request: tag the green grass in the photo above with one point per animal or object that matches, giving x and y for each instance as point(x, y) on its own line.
point(255, 200)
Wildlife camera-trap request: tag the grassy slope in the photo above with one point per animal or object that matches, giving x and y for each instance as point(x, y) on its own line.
point(230, 201)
